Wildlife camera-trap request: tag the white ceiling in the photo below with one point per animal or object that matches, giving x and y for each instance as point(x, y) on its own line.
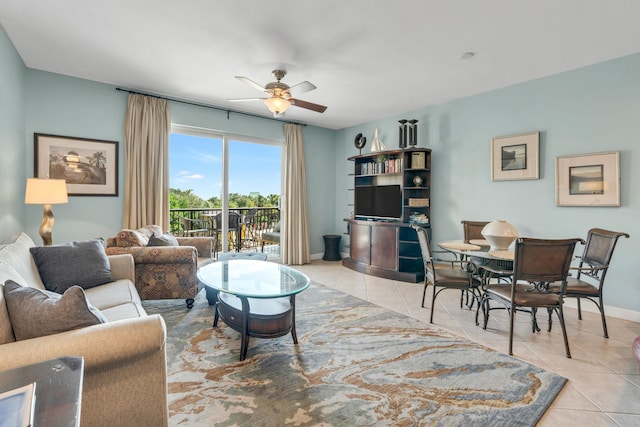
point(369, 59)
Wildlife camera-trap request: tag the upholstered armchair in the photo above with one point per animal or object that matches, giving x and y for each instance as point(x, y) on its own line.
point(165, 266)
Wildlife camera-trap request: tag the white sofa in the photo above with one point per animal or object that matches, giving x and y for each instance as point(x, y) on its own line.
point(125, 381)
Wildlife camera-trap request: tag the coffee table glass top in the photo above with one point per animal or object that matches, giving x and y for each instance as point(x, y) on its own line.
point(253, 279)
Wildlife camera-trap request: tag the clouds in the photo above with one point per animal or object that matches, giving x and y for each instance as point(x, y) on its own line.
point(186, 176)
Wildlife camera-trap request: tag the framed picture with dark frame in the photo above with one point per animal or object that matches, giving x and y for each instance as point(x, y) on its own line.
point(588, 179)
point(90, 166)
point(515, 157)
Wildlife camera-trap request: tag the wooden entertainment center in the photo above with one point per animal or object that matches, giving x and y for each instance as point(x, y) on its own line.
point(387, 246)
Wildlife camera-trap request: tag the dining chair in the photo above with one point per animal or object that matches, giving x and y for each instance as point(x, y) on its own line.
point(592, 270)
point(442, 274)
point(536, 264)
point(473, 230)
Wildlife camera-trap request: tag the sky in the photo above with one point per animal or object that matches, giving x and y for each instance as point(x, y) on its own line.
point(195, 163)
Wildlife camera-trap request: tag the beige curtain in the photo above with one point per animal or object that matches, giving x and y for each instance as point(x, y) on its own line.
point(295, 239)
point(146, 142)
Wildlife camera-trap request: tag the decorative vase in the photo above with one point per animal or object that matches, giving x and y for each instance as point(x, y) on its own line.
point(500, 234)
point(377, 144)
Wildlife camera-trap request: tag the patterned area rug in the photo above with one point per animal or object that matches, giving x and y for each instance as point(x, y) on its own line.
point(357, 364)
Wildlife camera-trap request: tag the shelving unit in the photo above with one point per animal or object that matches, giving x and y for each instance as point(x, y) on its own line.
point(390, 249)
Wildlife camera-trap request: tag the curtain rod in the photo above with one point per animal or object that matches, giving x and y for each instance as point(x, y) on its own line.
point(227, 110)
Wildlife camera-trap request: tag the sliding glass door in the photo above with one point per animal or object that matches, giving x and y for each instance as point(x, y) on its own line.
point(234, 182)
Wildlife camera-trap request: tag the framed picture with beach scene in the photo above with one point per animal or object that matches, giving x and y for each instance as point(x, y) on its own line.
point(90, 166)
point(588, 179)
point(515, 157)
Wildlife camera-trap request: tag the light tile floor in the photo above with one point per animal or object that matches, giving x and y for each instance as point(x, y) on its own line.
point(604, 380)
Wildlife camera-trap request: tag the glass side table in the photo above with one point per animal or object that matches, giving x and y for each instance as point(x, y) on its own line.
point(58, 389)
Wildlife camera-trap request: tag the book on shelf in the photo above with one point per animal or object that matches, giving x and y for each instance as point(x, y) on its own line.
point(418, 218)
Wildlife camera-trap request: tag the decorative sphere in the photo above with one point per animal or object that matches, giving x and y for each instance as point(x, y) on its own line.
point(500, 234)
point(417, 180)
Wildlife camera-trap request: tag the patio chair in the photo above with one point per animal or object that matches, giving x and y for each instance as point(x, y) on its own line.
point(235, 225)
point(194, 227)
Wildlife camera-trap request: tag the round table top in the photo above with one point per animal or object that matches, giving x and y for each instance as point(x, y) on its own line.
point(253, 279)
point(476, 251)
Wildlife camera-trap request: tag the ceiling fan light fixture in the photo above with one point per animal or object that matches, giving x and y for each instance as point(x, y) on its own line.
point(277, 105)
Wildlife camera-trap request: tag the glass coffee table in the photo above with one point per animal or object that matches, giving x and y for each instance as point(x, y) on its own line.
point(255, 298)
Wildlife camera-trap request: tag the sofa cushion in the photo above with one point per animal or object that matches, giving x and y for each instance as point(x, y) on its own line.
point(83, 263)
point(162, 240)
point(15, 253)
point(6, 332)
point(124, 311)
point(113, 294)
point(34, 312)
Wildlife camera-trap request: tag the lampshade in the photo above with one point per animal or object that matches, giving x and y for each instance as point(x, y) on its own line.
point(46, 191)
point(277, 105)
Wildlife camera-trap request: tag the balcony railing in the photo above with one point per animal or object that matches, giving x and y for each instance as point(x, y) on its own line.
point(253, 222)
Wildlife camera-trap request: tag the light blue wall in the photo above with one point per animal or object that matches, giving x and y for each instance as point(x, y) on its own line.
point(61, 105)
point(589, 110)
point(12, 175)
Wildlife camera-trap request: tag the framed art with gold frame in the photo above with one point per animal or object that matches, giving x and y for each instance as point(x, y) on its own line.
point(515, 157)
point(588, 179)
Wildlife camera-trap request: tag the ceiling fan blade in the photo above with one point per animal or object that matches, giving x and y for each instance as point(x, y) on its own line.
point(245, 99)
point(308, 105)
point(301, 88)
point(251, 83)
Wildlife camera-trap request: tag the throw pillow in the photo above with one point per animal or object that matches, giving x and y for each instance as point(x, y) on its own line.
point(130, 238)
point(83, 263)
point(35, 313)
point(163, 240)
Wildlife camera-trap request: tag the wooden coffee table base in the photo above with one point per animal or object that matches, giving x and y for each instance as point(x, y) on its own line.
point(267, 317)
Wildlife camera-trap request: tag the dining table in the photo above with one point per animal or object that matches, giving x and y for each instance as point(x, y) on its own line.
point(482, 261)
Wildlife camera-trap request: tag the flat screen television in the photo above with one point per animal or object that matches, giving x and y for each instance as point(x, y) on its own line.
point(378, 202)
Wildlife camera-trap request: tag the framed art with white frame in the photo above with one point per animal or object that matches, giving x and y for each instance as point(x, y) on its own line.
point(588, 179)
point(90, 166)
point(515, 157)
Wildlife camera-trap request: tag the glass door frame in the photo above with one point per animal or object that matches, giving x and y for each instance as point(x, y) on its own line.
point(226, 139)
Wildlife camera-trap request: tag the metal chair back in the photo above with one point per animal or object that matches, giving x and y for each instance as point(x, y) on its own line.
point(473, 230)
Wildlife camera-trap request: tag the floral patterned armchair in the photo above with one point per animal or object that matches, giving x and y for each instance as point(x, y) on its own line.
point(163, 272)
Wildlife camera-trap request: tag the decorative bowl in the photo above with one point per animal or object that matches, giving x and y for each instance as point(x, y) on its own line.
point(500, 234)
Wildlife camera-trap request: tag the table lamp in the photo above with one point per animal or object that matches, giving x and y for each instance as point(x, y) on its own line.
point(46, 192)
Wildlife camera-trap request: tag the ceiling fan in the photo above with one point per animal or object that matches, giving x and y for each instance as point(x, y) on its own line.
point(281, 94)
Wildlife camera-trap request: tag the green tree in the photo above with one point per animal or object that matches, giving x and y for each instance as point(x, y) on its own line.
point(184, 199)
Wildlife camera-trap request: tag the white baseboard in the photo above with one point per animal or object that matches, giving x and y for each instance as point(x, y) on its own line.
point(609, 311)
